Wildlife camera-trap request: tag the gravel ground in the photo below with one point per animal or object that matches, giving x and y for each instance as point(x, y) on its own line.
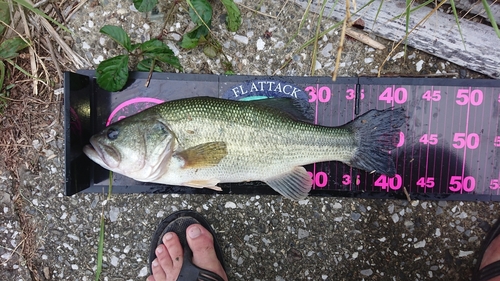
point(263, 237)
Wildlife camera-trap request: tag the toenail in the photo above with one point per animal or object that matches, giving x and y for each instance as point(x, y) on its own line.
point(194, 232)
point(168, 236)
point(159, 250)
point(155, 263)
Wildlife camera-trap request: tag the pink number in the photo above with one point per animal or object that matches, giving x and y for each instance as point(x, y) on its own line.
point(457, 183)
point(498, 97)
point(320, 179)
point(312, 93)
point(346, 180)
point(399, 95)
point(429, 139)
point(351, 94)
point(475, 97)
point(323, 95)
point(460, 140)
point(425, 182)
point(495, 184)
point(394, 183)
point(401, 139)
point(434, 95)
point(497, 141)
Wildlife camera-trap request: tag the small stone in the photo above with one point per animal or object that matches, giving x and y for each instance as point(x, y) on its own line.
point(391, 208)
point(355, 216)
point(368, 60)
point(438, 232)
point(74, 266)
point(241, 39)
point(366, 272)
point(464, 253)
point(419, 65)
point(114, 261)
point(303, 233)
point(230, 205)
point(395, 218)
point(114, 212)
point(260, 44)
point(327, 49)
point(143, 272)
point(419, 244)
point(336, 205)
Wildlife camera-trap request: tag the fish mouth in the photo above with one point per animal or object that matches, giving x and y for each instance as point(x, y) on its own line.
point(103, 155)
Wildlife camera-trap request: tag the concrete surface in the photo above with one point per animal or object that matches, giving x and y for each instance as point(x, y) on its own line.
point(263, 237)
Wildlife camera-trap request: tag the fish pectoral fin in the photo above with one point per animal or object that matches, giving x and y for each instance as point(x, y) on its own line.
point(204, 155)
point(210, 184)
point(294, 184)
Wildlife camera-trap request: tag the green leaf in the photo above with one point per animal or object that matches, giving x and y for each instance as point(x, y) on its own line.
point(4, 16)
point(154, 46)
point(118, 34)
point(233, 19)
point(200, 12)
point(10, 47)
point(156, 49)
point(145, 65)
point(210, 51)
point(145, 5)
point(189, 41)
point(112, 74)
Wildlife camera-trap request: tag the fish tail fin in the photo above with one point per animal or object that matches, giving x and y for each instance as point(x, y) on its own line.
point(376, 133)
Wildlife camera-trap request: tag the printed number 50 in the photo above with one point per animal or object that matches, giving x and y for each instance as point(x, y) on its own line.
point(458, 183)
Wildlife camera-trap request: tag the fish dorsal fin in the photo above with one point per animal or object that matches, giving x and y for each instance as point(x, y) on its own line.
point(296, 108)
point(294, 184)
point(203, 155)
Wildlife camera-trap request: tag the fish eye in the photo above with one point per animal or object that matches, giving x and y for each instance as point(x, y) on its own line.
point(113, 134)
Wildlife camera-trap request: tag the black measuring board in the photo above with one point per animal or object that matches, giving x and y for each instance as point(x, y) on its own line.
point(448, 149)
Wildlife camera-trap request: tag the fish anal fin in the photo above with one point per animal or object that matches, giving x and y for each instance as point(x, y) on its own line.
point(294, 184)
point(210, 184)
point(203, 155)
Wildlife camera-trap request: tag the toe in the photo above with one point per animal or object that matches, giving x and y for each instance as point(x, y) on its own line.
point(174, 247)
point(491, 255)
point(168, 262)
point(201, 243)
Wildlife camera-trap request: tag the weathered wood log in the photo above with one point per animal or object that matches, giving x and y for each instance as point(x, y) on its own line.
point(437, 36)
point(477, 8)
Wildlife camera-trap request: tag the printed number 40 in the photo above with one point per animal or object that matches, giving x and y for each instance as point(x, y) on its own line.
point(390, 95)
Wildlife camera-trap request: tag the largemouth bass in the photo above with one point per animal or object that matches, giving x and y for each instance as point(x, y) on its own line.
point(200, 142)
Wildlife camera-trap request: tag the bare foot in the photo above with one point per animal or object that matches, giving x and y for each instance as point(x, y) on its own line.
point(491, 255)
point(167, 265)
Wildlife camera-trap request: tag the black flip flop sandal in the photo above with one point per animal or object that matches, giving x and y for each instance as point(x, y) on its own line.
point(178, 223)
point(491, 270)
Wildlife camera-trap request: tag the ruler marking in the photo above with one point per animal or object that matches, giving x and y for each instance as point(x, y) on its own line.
point(464, 160)
point(428, 142)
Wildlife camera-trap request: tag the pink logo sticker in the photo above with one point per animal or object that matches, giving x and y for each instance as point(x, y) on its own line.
point(131, 107)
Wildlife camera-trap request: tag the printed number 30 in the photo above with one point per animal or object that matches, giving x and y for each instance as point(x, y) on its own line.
point(323, 94)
